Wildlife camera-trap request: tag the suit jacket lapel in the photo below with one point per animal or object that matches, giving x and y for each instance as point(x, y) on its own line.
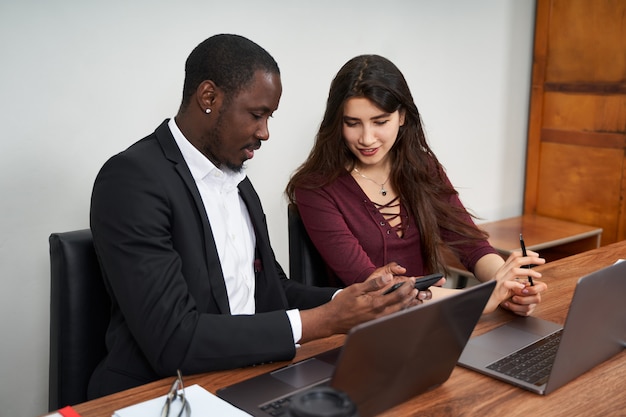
point(216, 277)
point(269, 294)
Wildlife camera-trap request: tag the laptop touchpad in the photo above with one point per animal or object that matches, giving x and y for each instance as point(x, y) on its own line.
point(304, 373)
point(505, 340)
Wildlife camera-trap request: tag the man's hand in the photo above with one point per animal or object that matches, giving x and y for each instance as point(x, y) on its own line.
point(359, 303)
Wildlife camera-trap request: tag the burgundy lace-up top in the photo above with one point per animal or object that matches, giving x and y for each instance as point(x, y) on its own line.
point(354, 235)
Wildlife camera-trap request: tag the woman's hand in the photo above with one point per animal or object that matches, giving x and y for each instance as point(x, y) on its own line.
point(525, 301)
point(513, 290)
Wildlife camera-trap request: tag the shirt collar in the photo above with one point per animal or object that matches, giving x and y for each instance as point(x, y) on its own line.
point(200, 166)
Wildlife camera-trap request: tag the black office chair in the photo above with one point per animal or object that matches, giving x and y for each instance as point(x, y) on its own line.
point(79, 316)
point(305, 263)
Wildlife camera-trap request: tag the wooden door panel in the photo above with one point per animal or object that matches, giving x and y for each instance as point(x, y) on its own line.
point(581, 184)
point(595, 113)
point(586, 41)
point(575, 160)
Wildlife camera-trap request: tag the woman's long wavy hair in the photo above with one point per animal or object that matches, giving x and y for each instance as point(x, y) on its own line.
point(416, 173)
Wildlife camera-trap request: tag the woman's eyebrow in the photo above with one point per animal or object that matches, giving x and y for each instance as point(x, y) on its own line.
point(379, 116)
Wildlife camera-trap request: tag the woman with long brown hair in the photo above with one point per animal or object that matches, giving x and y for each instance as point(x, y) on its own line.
point(372, 192)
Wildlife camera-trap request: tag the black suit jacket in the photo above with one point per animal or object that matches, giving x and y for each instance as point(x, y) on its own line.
point(169, 303)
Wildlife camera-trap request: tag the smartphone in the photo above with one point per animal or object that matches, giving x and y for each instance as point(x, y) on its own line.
point(424, 282)
point(421, 283)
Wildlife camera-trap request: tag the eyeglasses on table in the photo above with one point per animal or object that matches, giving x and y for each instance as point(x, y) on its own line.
point(176, 392)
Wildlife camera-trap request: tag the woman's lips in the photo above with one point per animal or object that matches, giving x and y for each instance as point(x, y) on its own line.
point(368, 152)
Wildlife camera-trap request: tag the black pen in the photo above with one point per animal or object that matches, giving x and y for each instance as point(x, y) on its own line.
point(521, 242)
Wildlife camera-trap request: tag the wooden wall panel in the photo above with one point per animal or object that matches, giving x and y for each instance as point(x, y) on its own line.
point(598, 113)
point(579, 183)
point(575, 162)
point(585, 41)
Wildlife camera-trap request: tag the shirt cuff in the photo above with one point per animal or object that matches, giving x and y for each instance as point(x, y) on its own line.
point(296, 324)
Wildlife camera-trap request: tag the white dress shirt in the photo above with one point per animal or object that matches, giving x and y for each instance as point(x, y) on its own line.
point(232, 228)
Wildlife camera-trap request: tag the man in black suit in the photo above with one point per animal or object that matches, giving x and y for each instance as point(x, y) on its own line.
point(183, 244)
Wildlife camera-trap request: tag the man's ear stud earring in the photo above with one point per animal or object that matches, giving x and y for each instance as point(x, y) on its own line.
point(207, 111)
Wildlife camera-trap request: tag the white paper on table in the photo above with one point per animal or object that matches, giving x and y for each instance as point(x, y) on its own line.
point(201, 401)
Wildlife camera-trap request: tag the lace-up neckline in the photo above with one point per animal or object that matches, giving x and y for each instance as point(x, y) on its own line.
point(394, 219)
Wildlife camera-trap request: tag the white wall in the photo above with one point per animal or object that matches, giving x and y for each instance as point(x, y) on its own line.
point(81, 80)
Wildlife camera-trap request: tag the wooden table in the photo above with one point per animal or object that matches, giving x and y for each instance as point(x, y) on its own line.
point(599, 392)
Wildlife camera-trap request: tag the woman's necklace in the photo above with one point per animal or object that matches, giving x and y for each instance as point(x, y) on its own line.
point(382, 191)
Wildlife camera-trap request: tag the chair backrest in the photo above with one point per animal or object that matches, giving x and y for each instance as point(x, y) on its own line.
point(79, 316)
point(305, 263)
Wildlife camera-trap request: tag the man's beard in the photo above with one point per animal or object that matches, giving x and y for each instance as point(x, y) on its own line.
point(212, 143)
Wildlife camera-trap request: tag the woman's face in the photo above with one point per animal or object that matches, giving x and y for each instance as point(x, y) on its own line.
point(369, 131)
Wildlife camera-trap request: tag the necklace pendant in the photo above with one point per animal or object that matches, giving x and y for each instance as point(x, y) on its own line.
point(383, 192)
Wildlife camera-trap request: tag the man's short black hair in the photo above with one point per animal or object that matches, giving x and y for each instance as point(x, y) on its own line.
point(230, 61)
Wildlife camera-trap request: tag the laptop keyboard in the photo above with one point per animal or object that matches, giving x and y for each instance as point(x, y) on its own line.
point(533, 363)
point(278, 408)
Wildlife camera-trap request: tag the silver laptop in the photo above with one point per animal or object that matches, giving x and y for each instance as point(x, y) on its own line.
point(382, 363)
point(594, 331)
